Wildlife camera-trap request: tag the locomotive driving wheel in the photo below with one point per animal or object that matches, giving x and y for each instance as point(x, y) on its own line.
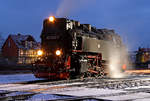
point(101, 72)
point(86, 75)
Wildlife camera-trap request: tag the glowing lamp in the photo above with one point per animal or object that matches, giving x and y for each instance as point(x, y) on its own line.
point(40, 52)
point(51, 19)
point(58, 52)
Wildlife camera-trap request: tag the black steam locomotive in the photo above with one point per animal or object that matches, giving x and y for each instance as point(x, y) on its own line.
point(72, 50)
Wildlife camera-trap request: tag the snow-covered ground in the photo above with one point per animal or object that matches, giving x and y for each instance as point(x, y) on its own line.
point(42, 92)
point(17, 78)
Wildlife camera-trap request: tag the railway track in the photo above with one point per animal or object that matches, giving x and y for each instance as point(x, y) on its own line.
point(26, 90)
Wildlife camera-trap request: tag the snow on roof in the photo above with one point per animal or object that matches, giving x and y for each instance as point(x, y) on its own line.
point(20, 40)
point(1, 42)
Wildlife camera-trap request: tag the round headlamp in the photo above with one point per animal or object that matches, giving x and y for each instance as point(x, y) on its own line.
point(51, 18)
point(39, 52)
point(58, 52)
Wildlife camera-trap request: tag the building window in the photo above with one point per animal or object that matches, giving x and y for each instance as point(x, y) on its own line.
point(31, 44)
point(28, 44)
point(27, 56)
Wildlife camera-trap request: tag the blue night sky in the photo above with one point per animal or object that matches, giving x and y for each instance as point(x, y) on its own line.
point(129, 18)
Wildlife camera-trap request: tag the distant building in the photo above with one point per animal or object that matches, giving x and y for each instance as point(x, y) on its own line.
point(1, 44)
point(21, 49)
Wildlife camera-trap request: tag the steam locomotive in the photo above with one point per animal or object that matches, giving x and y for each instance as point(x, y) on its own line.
point(71, 50)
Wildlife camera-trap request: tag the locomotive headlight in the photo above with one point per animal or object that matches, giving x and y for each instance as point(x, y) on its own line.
point(51, 18)
point(40, 52)
point(58, 52)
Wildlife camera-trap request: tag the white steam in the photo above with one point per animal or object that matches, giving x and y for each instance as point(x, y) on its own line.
point(67, 7)
point(117, 58)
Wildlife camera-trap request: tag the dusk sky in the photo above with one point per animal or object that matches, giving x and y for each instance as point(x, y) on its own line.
point(129, 18)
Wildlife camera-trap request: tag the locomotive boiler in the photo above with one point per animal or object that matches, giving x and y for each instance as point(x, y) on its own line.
point(71, 50)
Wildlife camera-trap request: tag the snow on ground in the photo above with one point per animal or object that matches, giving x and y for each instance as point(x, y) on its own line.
point(45, 97)
point(16, 78)
point(59, 91)
point(127, 97)
point(83, 91)
point(145, 99)
point(139, 87)
point(109, 94)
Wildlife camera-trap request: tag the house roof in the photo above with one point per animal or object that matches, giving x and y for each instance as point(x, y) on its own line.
point(20, 39)
point(1, 42)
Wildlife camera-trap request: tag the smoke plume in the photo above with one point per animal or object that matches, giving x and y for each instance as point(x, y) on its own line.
point(67, 7)
point(118, 61)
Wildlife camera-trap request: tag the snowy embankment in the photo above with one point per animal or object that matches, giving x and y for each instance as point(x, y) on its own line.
point(17, 78)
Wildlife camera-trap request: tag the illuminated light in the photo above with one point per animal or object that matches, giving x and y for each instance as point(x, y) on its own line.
point(114, 69)
point(51, 19)
point(138, 71)
point(58, 52)
point(40, 52)
point(124, 67)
